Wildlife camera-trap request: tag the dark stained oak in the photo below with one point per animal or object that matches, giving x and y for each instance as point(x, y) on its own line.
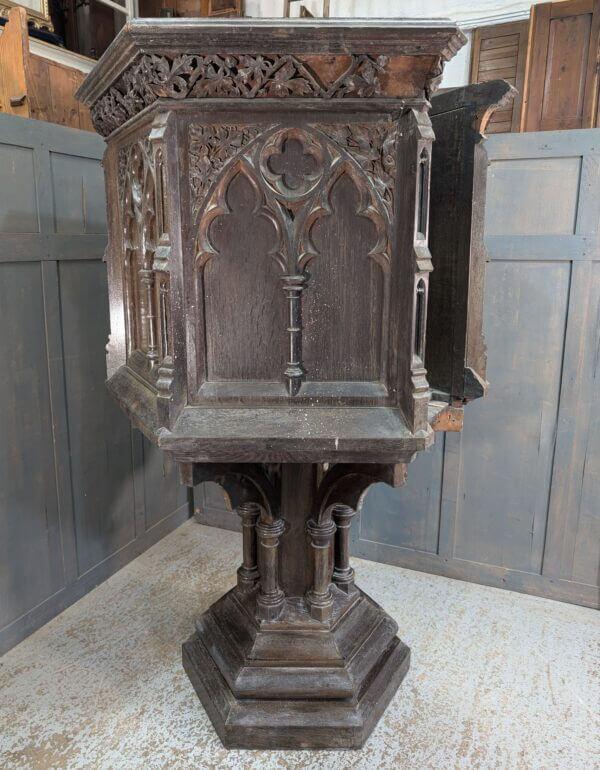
point(243, 339)
point(456, 353)
point(345, 282)
point(301, 657)
point(268, 188)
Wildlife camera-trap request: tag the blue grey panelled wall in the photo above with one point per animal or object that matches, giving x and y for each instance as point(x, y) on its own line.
point(514, 500)
point(80, 494)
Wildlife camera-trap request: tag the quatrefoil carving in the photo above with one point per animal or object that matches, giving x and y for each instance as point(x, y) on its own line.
point(292, 164)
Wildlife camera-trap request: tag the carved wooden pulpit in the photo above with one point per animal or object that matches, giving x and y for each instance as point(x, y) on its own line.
point(268, 191)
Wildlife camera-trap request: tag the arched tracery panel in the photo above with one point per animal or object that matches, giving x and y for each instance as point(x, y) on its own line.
point(239, 283)
point(140, 244)
point(146, 252)
point(269, 307)
point(346, 245)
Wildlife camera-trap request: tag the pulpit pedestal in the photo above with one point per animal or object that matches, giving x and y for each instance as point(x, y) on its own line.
point(295, 655)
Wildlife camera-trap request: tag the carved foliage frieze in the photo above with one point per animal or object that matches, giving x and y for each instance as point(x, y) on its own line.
point(152, 77)
point(373, 147)
point(209, 149)
point(292, 172)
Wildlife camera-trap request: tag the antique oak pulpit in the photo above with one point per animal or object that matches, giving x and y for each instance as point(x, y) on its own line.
point(268, 189)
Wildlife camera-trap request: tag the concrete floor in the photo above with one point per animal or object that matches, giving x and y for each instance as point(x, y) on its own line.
point(498, 679)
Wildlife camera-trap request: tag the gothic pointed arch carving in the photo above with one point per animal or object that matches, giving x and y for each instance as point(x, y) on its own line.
point(210, 148)
point(139, 245)
point(368, 207)
point(146, 257)
point(372, 146)
point(238, 279)
point(295, 177)
point(218, 206)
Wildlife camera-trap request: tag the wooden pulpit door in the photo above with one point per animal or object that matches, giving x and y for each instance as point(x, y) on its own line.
point(561, 77)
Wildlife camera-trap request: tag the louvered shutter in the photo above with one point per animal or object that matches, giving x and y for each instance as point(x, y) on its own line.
point(500, 51)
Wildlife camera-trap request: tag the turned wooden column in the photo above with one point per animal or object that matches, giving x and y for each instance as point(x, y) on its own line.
point(147, 280)
point(294, 371)
point(271, 598)
point(343, 574)
point(319, 598)
point(247, 574)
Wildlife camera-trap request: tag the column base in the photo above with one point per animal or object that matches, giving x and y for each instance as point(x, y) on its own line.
point(295, 682)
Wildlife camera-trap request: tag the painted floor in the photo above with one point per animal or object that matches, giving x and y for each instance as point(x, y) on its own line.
point(498, 679)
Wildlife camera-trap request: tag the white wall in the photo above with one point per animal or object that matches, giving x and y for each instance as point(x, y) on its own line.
point(467, 14)
point(458, 69)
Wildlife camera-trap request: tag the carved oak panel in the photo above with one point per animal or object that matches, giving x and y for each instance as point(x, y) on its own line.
point(241, 297)
point(343, 329)
point(146, 249)
point(319, 200)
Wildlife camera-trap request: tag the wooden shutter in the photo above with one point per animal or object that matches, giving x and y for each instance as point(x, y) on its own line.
point(500, 52)
point(223, 8)
point(561, 81)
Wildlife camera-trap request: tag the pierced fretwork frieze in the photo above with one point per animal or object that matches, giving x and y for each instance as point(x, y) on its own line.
point(230, 75)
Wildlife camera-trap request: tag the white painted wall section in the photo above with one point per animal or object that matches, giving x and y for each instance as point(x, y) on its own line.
point(467, 14)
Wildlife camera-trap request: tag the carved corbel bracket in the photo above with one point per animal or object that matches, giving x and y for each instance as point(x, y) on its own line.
point(347, 484)
point(241, 483)
point(500, 97)
point(252, 490)
point(339, 496)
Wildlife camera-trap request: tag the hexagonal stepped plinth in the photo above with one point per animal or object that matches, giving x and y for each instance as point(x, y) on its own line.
point(295, 656)
point(295, 682)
